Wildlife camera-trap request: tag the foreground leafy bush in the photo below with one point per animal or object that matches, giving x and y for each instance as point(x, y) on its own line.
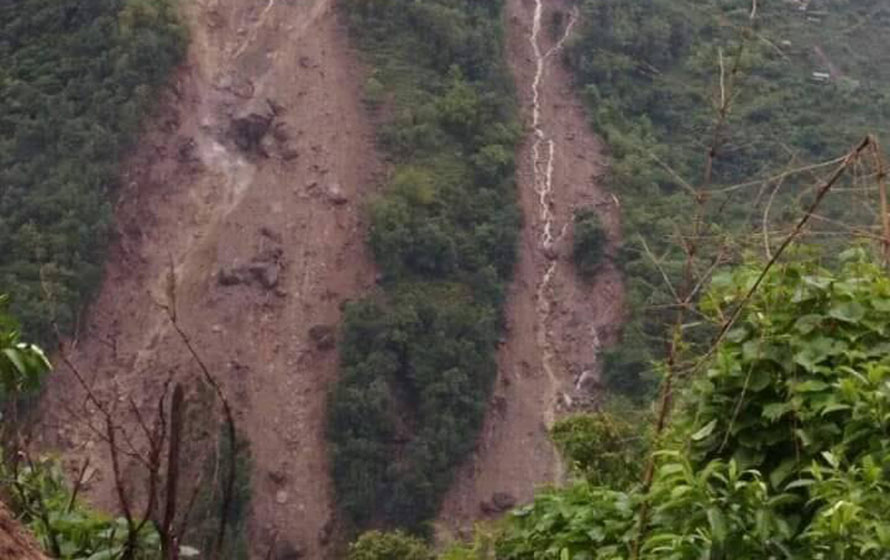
point(603, 448)
point(61, 523)
point(781, 450)
point(375, 545)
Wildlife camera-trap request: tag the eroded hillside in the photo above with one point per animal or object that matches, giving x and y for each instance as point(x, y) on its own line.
point(250, 181)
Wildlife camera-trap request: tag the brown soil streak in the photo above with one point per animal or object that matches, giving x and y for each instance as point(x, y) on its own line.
point(193, 196)
point(556, 322)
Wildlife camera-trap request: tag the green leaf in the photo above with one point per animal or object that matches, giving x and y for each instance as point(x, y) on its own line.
point(781, 473)
point(811, 386)
point(807, 323)
point(717, 523)
point(834, 407)
point(15, 358)
point(848, 311)
point(774, 411)
point(800, 483)
point(707, 430)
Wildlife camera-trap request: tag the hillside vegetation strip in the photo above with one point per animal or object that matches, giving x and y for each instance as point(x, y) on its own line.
point(76, 78)
point(418, 356)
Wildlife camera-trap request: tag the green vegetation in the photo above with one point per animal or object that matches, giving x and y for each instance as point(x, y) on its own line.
point(602, 448)
point(22, 365)
point(204, 516)
point(589, 242)
point(650, 73)
point(65, 527)
point(375, 545)
point(75, 81)
point(782, 446)
point(418, 358)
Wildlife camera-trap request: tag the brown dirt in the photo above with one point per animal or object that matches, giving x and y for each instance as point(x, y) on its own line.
point(556, 324)
point(192, 197)
point(15, 541)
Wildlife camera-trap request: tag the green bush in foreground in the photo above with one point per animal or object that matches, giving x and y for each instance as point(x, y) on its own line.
point(781, 450)
point(375, 545)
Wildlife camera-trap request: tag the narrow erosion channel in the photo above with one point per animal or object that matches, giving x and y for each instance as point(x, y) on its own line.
point(542, 170)
point(555, 320)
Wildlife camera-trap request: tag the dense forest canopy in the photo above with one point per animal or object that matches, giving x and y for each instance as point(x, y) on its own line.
point(802, 82)
point(76, 78)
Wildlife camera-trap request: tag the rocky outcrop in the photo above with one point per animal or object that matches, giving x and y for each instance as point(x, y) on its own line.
point(264, 271)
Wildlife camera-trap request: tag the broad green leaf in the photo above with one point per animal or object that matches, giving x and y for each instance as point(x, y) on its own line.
point(704, 432)
point(774, 411)
point(811, 386)
point(847, 311)
point(807, 323)
point(781, 473)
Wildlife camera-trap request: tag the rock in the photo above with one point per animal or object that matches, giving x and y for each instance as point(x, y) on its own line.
point(186, 150)
point(289, 154)
point(279, 133)
point(590, 381)
point(499, 404)
point(266, 273)
point(551, 252)
point(264, 269)
point(229, 277)
point(285, 550)
point(324, 336)
point(324, 534)
point(248, 131)
point(267, 232)
point(277, 477)
point(502, 501)
point(335, 194)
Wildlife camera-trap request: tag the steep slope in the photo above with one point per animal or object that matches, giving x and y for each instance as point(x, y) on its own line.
point(556, 322)
point(250, 182)
point(15, 542)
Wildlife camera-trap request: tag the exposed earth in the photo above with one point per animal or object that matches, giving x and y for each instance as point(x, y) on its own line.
point(251, 181)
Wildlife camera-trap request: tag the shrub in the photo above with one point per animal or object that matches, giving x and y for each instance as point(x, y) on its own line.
point(589, 244)
point(376, 545)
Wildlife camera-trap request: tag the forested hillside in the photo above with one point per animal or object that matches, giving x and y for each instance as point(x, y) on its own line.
point(76, 79)
point(704, 105)
point(417, 358)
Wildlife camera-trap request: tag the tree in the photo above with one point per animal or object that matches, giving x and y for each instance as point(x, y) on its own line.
point(589, 242)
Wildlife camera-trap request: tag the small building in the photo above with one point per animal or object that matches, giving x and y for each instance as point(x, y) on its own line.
point(821, 77)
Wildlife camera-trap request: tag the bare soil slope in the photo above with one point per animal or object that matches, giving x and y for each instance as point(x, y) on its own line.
point(250, 181)
point(556, 322)
point(15, 541)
